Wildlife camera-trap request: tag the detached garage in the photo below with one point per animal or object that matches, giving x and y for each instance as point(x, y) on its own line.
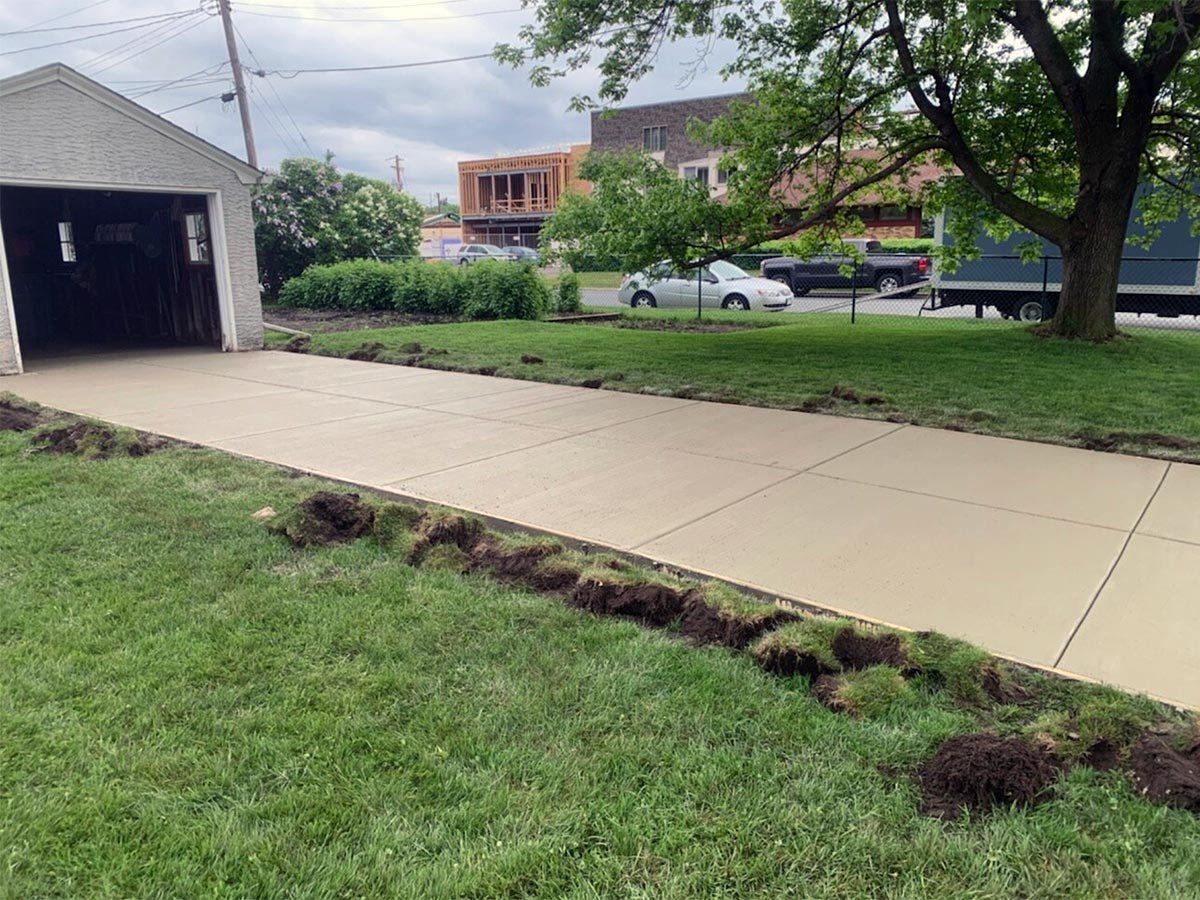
point(119, 229)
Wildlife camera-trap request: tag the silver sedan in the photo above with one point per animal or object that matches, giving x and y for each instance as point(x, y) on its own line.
point(719, 285)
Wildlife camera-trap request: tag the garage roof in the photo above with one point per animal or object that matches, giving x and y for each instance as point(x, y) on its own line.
point(58, 72)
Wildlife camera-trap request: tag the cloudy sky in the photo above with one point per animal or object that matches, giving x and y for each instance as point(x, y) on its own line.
point(431, 116)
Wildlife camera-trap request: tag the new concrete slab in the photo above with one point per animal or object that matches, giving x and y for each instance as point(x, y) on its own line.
point(1175, 511)
point(1001, 542)
point(1060, 482)
point(596, 489)
point(1143, 632)
point(1013, 582)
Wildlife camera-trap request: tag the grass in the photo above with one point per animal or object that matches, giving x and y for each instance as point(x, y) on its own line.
point(599, 279)
point(193, 707)
point(993, 378)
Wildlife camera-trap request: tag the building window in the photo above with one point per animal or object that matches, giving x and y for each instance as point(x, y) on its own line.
point(654, 139)
point(723, 175)
point(894, 213)
point(66, 241)
point(199, 244)
point(696, 173)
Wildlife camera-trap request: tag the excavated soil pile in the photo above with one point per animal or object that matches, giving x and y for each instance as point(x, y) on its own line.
point(327, 517)
point(298, 344)
point(15, 417)
point(531, 360)
point(1001, 690)
point(1114, 440)
point(861, 651)
point(367, 352)
point(1166, 776)
point(979, 771)
point(825, 689)
point(458, 530)
point(787, 661)
point(651, 604)
point(524, 565)
point(705, 624)
point(95, 442)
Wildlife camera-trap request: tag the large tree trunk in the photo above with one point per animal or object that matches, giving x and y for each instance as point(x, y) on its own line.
point(1091, 265)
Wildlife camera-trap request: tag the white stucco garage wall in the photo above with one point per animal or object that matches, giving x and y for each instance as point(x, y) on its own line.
point(68, 131)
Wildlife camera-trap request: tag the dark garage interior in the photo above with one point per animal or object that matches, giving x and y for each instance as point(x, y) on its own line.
point(111, 268)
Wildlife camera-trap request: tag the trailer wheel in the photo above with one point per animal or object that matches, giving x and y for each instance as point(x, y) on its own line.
point(1029, 311)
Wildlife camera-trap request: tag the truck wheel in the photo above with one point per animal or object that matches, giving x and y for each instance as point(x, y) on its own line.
point(888, 281)
point(784, 280)
point(1029, 311)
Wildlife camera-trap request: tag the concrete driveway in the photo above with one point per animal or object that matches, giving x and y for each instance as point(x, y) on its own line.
point(1088, 562)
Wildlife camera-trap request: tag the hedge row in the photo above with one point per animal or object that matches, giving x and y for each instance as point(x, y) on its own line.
point(498, 290)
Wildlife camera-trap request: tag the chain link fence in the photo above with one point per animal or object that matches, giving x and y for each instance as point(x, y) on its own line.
point(1155, 292)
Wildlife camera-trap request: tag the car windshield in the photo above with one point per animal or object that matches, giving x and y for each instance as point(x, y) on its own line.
point(727, 271)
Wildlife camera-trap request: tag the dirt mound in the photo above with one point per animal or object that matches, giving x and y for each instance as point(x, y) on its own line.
point(786, 661)
point(826, 689)
point(15, 417)
point(95, 442)
point(327, 517)
point(861, 651)
point(1101, 756)
point(530, 360)
point(437, 529)
point(297, 344)
point(1115, 440)
point(980, 771)
point(651, 604)
point(1000, 689)
point(1165, 776)
point(849, 395)
point(367, 352)
point(524, 565)
point(591, 383)
point(705, 624)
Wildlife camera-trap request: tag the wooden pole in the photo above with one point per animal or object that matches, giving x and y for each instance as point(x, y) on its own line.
point(239, 83)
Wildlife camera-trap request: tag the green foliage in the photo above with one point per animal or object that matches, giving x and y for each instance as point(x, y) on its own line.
point(1052, 111)
point(501, 290)
point(431, 288)
point(567, 295)
point(310, 213)
point(482, 291)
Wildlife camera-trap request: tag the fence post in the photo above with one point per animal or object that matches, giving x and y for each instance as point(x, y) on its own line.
point(1045, 278)
point(854, 294)
point(699, 293)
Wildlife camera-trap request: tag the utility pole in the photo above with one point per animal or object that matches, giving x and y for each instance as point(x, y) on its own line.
point(239, 83)
point(398, 161)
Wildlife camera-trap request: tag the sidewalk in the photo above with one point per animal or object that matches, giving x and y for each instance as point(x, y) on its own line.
point(1064, 558)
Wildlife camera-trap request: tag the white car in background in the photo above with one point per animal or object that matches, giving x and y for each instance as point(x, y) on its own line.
point(722, 285)
point(469, 253)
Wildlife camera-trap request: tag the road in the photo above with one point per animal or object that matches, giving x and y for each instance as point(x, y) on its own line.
point(839, 302)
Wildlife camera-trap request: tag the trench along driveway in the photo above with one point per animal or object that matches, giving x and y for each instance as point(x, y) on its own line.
point(1082, 561)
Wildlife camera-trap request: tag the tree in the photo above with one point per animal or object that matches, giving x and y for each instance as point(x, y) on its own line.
point(1053, 111)
point(310, 213)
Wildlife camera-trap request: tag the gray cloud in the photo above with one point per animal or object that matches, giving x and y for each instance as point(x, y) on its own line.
point(432, 117)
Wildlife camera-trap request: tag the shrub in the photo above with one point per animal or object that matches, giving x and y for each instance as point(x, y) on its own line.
point(567, 296)
point(430, 288)
point(315, 288)
point(500, 290)
point(908, 245)
point(365, 284)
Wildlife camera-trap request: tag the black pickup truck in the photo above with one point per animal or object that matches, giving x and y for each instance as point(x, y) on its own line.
point(885, 272)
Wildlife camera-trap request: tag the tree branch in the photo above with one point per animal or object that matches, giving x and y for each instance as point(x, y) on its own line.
point(1053, 228)
point(1029, 18)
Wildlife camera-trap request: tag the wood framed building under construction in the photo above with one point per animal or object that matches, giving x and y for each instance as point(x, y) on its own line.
point(505, 200)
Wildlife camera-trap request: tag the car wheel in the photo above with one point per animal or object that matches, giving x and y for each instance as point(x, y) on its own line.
point(643, 299)
point(887, 282)
point(786, 281)
point(1029, 311)
point(463, 262)
point(736, 301)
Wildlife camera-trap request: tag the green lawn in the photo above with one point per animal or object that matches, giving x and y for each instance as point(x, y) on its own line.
point(995, 378)
point(599, 279)
point(193, 708)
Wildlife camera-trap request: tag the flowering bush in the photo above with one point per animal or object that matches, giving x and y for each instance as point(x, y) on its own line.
point(310, 213)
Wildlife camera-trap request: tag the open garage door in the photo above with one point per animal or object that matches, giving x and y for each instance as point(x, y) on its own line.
point(90, 269)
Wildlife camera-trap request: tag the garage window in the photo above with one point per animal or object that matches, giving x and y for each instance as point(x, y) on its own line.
point(199, 244)
point(66, 241)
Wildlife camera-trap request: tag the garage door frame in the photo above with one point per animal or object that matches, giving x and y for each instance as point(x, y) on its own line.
point(216, 224)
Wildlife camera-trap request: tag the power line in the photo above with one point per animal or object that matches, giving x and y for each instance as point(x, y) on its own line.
point(379, 21)
point(76, 12)
point(152, 87)
point(157, 16)
point(105, 55)
point(278, 96)
point(91, 37)
point(193, 103)
point(186, 27)
point(292, 73)
point(340, 8)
